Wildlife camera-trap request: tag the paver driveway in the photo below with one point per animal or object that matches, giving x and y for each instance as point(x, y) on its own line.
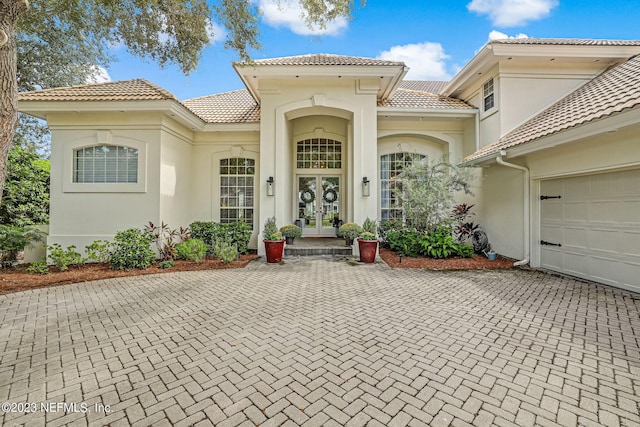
point(321, 342)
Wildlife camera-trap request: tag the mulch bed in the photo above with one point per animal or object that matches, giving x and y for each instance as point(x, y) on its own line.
point(19, 279)
point(475, 263)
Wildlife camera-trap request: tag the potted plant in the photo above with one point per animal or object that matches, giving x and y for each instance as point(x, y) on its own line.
point(290, 232)
point(368, 242)
point(349, 231)
point(273, 241)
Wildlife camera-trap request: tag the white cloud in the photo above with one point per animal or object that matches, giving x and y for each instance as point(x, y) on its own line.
point(98, 75)
point(425, 60)
point(512, 13)
point(216, 32)
point(289, 14)
point(497, 35)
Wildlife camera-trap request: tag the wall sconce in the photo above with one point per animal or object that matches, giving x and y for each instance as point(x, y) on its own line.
point(270, 186)
point(366, 191)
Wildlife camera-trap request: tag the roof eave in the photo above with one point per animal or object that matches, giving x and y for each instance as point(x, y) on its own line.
point(432, 112)
point(472, 68)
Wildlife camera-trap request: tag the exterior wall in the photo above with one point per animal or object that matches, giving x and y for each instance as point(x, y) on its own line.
point(502, 187)
point(285, 106)
point(524, 88)
point(207, 151)
point(79, 216)
point(175, 176)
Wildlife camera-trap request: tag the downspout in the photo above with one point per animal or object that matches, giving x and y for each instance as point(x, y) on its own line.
point(527, 202)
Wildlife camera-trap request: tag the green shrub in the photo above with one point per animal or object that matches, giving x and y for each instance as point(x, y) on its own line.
point(270, 230)
point(291, 231)
point(349, 230)
point(405, 242)
point(38, 267)
point(16, 239)
point(370, 226)
point(132, 249)
point(386, 227)
point(63, 258)
point(237, 233)
point(228, 253)
point(240, 234)
point(99, 251)
point(192, 250)
point(167, 263)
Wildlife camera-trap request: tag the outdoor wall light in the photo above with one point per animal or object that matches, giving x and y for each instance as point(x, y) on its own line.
point(366, 191)
point(270, 182)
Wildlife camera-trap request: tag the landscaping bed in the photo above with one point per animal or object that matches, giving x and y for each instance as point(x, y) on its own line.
point(475, 263)
point(18, 279)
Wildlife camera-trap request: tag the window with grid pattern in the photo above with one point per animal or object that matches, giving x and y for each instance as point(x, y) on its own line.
point(391, 165)
point(319, 153)
point(237, 176)
point(105, 164)
point(488, 95)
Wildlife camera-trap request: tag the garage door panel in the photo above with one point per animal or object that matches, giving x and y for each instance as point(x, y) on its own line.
point(629, 242)
point(575, 189)
point(604, 241)
point(575, 263)
point(597, 222)
point(575, 238)
point(553, 212)
point(576, 211)
point(605, 270)
point(630, 212)
point(629, 273)
point(630, 182)
point(605, 211)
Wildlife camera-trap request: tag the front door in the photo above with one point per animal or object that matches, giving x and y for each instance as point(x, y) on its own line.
point(318, 204)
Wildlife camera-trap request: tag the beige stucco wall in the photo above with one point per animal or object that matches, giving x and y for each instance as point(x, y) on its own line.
point(502, 187)
point(207, 151)
point(289, 109)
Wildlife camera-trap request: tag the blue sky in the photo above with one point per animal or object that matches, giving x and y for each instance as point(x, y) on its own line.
point(434, 37)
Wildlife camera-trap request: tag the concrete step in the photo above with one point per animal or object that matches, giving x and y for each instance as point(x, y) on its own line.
point(310, 246)
point(292, 250)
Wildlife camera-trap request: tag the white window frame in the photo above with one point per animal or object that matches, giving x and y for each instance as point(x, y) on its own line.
point(485, 94)
point(255, 195)
point(69, 186)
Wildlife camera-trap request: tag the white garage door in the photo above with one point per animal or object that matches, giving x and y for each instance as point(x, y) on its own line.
point(593, 230)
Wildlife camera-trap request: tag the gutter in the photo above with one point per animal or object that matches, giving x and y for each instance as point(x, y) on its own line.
point(526, 207)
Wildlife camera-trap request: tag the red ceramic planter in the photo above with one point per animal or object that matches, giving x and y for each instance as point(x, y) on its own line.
point(368, 250)
point(274, 250)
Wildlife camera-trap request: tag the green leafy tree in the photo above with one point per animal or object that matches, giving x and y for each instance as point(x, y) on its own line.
point(26, 191)
point(428, 190)
point(59, 40)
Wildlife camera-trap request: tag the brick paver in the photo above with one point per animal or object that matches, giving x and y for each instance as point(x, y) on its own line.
point(322, 342)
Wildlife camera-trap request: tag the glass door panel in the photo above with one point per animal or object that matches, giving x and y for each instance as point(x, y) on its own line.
point(318, 204)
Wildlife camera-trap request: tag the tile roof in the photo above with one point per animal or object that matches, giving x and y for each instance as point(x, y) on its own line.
point(125, 90)
point(405, 98)
point(229, 107)
point(323, 59)
point(429, 86)
point(567, 42)
point(611, 92)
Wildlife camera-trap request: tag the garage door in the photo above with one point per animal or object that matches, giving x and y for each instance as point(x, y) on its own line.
point(590, 227)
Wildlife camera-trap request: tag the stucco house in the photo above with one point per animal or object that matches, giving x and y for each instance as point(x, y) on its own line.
point(553, 126)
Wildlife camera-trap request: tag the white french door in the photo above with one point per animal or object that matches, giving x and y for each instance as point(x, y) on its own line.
point(319, 202)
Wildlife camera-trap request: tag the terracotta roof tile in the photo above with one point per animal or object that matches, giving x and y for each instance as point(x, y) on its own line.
point(404, 98)
point(125, 90)
point(429, 86)
point(611, 92)
point(230, 107)
point(567, 42)
point(323, 59)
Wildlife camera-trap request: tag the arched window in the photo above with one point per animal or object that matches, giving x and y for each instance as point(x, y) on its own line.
point(391, 165)
point(105, 164)
point(237, 176)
